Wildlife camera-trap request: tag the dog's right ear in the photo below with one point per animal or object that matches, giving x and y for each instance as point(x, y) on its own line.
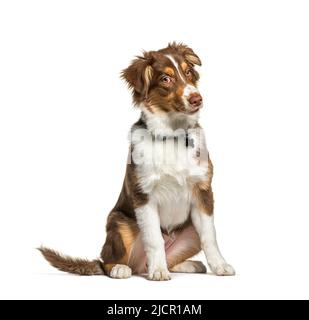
point(138, 75)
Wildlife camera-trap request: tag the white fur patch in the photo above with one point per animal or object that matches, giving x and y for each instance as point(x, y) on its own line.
point(205, 227)
point(176, 65)
point(165, 123)
point(149, 223)
point(189, 89)
point(167, 169)
point(121, 271)
point(159, 275)
point(166, 172)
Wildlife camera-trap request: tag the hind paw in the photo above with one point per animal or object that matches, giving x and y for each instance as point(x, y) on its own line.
point(120, 271)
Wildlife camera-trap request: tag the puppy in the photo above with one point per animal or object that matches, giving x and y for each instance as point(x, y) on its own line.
point(164, 214)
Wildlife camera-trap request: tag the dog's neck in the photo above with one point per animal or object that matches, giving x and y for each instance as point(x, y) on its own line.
point(165, 124)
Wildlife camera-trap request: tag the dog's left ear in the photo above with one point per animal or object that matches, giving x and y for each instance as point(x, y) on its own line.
point(186, 52)
point(138, 75)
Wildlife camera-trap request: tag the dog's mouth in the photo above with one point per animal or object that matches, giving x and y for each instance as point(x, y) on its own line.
point(189, 111)
point(194, 109)
point(193, 103)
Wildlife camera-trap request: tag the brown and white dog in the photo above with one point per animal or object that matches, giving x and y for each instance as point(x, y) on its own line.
point(164, 214)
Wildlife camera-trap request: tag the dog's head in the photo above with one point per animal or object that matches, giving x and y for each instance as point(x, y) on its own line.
point(166, 80)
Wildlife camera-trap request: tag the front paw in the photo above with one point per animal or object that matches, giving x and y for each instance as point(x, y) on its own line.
point(159, 274)
point(222, 269)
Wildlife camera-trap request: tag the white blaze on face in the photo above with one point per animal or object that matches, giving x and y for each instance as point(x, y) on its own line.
point(189, 88)
point(176, 65)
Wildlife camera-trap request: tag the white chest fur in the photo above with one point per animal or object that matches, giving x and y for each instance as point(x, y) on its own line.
point(167, 170)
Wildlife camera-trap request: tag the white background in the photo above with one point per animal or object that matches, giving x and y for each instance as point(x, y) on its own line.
point(64, 118)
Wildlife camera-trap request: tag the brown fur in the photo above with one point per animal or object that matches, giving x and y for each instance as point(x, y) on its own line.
point(114, 250)
point(185, 51)
point(72, 265)
point(121, 232)
point(192, 250)
point(128, 232)
point(169, 71)
point(202, 192)
point(184, 66)
point(204, 199)
point(108, 267)
point(144, 78)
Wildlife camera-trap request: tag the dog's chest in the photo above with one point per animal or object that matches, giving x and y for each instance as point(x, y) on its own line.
point(173, 200)
point(167, 173)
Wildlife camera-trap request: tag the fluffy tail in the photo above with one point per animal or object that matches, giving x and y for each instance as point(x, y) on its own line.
point(72, 265)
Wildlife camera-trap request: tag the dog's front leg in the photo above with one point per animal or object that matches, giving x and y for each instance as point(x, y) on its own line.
point(149, 223)
point(204, 225)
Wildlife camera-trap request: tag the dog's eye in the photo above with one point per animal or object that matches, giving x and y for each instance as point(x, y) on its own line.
point(188, 72)
point(166, 79)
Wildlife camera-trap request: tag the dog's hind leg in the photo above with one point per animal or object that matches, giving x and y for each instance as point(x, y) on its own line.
point(121, 234)
point(189, 266)
point(183, 245)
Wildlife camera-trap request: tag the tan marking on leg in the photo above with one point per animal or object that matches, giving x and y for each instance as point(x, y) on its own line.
point(128, 234)
point(108, 267)
point(203, 198)
point(202, 192)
